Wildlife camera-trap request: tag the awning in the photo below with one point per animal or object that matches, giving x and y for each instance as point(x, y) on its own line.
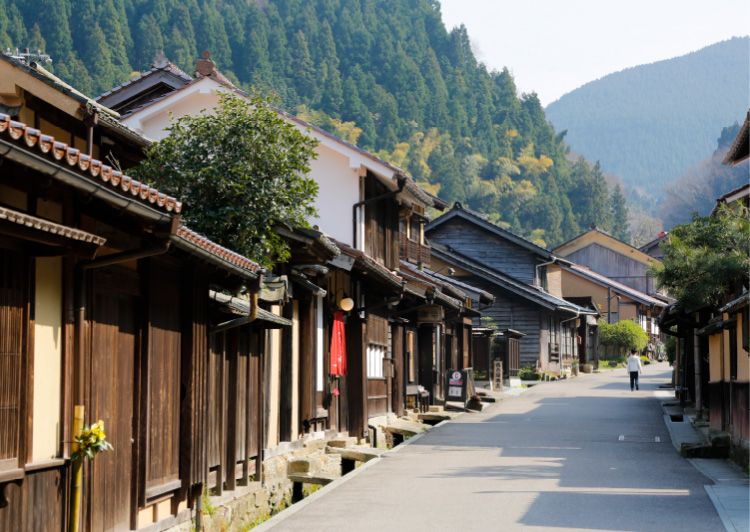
point(241, 307)
point(27, 227)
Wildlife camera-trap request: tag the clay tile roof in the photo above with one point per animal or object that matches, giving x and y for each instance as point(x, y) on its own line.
point(95, 170)
point(217, 250)
point(52, 228)
point(369, 264)
point(160, 64)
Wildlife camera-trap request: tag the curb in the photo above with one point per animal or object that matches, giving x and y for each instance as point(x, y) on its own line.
point(291, 510)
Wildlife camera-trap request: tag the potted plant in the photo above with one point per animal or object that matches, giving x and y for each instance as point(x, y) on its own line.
point(574, 368)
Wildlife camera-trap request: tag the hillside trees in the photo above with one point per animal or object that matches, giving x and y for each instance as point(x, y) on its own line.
point(390, 70)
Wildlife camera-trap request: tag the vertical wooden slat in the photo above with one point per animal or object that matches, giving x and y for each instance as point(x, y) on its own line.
point(306, 363)
point(232, 407)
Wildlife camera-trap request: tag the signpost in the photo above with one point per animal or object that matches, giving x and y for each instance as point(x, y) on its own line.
point(497, 375)
point(457, 386)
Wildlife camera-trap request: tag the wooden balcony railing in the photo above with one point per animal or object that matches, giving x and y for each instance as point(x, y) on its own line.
point(415, 252)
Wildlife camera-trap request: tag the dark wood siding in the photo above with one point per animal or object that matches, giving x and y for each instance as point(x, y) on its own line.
point(38, 504)
point(12, 331)
point(487, 248)
point(232, 420)
point(114, 345)
point(512, 312)
point(193, 464)
point(377, 393)
point(164, 359)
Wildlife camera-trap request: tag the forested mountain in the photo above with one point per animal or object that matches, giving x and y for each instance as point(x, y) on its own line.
point(651, 123)
point(700, 186)
point(385, 75)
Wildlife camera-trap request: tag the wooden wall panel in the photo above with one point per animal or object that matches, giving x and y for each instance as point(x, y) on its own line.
point(376, 397)
point(194, 380)
point(164, 358)
point(110, 384)
point(398, 380)
point(38, 504)
point(512, 312)
point(486, 247)
point(12, 304)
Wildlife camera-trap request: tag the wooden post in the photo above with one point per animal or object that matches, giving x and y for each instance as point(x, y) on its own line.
point(75, 513)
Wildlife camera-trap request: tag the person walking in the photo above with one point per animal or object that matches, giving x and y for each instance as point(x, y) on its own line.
point(634, 368)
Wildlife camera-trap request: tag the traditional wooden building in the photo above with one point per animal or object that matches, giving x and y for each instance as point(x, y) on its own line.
point(104, 303)
point(614, 300)
point(387, 212)
point(599, 251)
point(518, 273)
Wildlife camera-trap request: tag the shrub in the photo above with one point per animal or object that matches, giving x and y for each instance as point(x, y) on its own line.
point(529, 374)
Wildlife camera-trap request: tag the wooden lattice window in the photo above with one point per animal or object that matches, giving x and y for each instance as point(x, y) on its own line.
point(11, 357)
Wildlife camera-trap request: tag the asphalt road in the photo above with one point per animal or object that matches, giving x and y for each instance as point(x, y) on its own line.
point(581, 454)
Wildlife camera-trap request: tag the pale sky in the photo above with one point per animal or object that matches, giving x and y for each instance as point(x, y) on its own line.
point(555, 46)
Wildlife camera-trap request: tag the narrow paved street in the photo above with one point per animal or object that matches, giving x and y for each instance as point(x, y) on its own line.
point(582, 454)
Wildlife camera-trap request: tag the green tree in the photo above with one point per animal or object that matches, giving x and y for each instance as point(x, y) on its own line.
point(239, 171)
point(623, 335)
point(619, 208)
point(707, 259)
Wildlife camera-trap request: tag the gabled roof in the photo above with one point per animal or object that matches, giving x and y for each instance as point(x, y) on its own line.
point(739, 151)
point(464, 213)
point(731, 197)
point(163, 75)
point(601, 280)
point(529, 293)
point(654, 243)
point(79, 105)
point(368, 265)
point(604, 239)
point(472, 291)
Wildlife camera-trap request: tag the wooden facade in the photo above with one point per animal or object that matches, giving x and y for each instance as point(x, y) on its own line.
point(515, 271)
point(611, 258)
point(104, 303)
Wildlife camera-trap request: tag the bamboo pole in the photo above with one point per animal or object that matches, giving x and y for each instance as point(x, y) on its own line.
point(75, 513)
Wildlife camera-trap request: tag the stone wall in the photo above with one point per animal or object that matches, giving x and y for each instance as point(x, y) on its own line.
point(242, 510)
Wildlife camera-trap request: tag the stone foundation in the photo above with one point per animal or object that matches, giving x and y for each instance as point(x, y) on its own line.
point(249, 506)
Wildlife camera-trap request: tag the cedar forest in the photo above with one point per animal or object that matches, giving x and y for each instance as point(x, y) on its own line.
point(384, 75)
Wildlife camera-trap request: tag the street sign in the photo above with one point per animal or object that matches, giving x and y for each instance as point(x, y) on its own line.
point(456, 386)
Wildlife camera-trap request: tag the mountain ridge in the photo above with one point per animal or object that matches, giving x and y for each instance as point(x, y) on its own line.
point(669, 105)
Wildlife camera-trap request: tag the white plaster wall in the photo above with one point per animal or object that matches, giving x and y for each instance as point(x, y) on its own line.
point(336, 168)
point(338, 190)
point(153, 121)
point(48, 332)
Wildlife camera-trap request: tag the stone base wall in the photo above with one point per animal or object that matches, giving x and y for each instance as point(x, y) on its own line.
point(242, 510)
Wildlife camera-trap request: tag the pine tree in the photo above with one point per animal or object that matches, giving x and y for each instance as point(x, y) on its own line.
point(620, 229)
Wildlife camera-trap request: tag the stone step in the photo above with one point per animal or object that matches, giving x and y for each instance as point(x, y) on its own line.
point(359, 454)
point(321, 479)
point(342, 443)
point(406, 428)
point(299, 465)
point(436, 408)
point(438, 416)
